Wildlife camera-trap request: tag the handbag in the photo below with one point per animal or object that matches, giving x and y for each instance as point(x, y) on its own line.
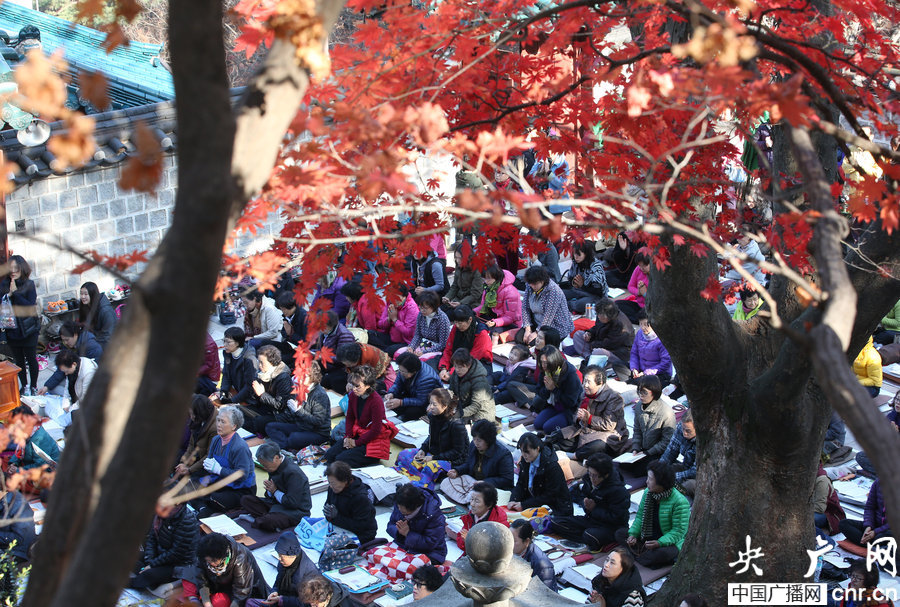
point(7, 315)
point(313, 532)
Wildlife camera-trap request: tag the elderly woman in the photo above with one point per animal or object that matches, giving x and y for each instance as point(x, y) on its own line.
point(543, 304)
point(467, 281)
point(601, 418)
point(471, 384)
point(432, 328)
point(487, 461)
point(445, 446)
point(170, 544)
point(482, 507)
point(654, 422)
point(228, 453)
point(273, 387)
point(238, 368)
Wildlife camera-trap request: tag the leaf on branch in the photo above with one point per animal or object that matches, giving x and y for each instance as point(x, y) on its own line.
point(326, 355)
point(698, 249)
point(39, 82)
point(890, 214)
point(252, 36)
point(94, 87)
point(76, 145)
point(713, 290)
point(678, 239)
point(427, 123)
point(638, 99)
point(144, 169)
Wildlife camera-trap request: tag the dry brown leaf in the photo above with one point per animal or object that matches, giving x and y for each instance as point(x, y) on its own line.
point(94, 87)
point(39, 82)
point(144, 169)
point(115, 37)
point(75, 146)
point(128, 9)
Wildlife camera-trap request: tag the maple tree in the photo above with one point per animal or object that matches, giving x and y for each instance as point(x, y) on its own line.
point(643, 99)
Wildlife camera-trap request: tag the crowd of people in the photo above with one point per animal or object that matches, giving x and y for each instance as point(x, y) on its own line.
point(428, 352)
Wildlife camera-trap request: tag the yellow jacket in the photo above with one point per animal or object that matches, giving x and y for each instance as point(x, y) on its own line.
point(867, 366)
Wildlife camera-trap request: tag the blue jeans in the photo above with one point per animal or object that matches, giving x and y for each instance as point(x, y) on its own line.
point(290, 436)
point(549, 420)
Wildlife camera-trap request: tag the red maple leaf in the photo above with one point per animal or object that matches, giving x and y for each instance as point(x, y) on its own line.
point(713, 290)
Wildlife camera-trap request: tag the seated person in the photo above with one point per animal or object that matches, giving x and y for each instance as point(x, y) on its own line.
point(432, 328)
point(468, 334)
point(543, 304)
point(293, 324)
point(356, 354)
point(263, 321)
point(429, 273)
point(409, 395)
point(426, 580)
point(301, 425)
point(863, 591)
point(79, 371)
point(605, 500)
point(226, 574)
point(601, 418)
point(446, 445)
point(684, 443)
point(364, 312)
point(18, 526)
point(330, 286)
point(657, 546)
point(73, 336)
point(750, 304)
point(293, 568)
point(648, 355)
point(348, 505)
point(750, 248)
point(541, 481)
point(468, 283)
point(524, 546)
point(470, 383)
point(827, 511)
point(39, 449)
point(487, 461)
point(835, 435)
point(273, 387)
point(585, 281)
point(890, 326)
point(612, 336)
point(228, 453)
point(202, 429)
point(501, 303)
point(210, 371)
point(287, 498)
point(637, 287)
point(558, 393)
point(874, 525)
point(417, 523)
point(368, 436)
point(171, 543)
point(619, 582)
point(893, 418)
point(334, 375)
point(867, 367)
point(397, 323)
point(239, 364)
point(522, 392)
point(519, 367)
point(620, 261)
point(482, 507)
point(654, 423)
point(319, 591)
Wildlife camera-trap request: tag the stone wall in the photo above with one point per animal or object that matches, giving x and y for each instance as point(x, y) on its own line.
point(86, 210)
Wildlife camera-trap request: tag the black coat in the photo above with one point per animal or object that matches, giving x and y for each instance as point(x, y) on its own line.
point(496, 466)
point(298, 324)
point(24, 303)
point(447, 440)
point(355, 511)
point(549, 487)
point(297, 501)
point(242, 578)
point(612, 498)
point(289, 589)
point(174, 542)
point(314, 415)
point(103, 322)
point(617, 335)
point(239, 373)
point(278, 391)
point(617, 592)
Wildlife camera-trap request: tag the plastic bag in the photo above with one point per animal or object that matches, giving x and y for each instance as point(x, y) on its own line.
point(7, 315)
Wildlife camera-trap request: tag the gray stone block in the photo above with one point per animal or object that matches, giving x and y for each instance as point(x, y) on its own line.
point(134, 204)
point(99, 212)
point(30, 208)
point(81, 216)
point(107, 191)
point(57, 183)
point(87, 195)
point(74, 281)
point(96, 176)
point(62, 220)
point(117, 207)
point(76, 180)
point(141, 222)
point(125, 226)
point(68, 199)
point(38, 188)
point(56, 282)
point(88, 234)
point(117, 247)
point(159, 219)
point(49, 203)
point(12, 211)
point(106, 231)
point(166, 198)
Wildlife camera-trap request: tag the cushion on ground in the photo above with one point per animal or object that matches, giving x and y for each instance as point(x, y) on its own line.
point(651, 575)
point(852, 548)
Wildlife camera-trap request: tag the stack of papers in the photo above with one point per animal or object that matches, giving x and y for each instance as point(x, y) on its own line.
point(245, 434)
point(381, 480)
point(855, 491)
point(412, 433)
point(502, 411)
point(511, 437)
point(224, 525)
point(581, 575)
point(356, 581)
point(630, 458)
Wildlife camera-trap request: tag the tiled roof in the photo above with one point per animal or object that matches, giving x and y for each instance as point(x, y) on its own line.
point(135, 73)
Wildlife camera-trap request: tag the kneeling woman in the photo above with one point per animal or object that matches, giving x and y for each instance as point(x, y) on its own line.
point(445, 447)
point(368, 437)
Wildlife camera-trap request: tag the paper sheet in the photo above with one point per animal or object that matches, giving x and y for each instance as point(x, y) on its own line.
point(224, 525)
point(630, 458)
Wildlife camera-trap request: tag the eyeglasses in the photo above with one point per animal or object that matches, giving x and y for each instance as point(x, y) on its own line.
point(418, 584)
point(644, 392)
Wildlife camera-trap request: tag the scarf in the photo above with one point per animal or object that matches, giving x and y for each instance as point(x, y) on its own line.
point(651, 509)
point(464, 339)
point(284, 581)
point(267, 376)
point(490, 295)
point(747, 309)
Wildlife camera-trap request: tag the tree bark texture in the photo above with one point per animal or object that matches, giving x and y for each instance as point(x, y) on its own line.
point(120, 448)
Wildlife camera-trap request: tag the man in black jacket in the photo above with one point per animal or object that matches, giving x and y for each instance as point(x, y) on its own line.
point(225, 574)
point(287, 498)
point(171, 542)
point(293, 329)
point(605, 500)
point(611, 336)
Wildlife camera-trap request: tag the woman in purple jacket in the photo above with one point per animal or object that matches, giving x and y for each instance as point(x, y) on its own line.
point(648, 355)
point(417, 523)
point(874, 525)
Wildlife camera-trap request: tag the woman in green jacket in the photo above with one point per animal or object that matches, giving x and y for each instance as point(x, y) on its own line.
point(661, 523)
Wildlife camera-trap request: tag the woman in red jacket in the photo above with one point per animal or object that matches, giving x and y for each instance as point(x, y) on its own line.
point(369, 434)
point(470, 334)
point(482, 507)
